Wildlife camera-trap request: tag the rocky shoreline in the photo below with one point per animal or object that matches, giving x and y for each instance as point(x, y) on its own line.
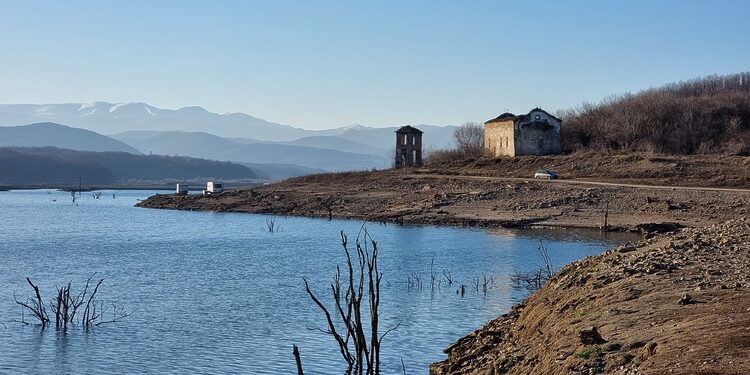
point(675, 302)
point(471, 201)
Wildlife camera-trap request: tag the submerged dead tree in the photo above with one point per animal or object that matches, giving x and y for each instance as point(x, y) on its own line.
point(536, 279)
point(35, 305)
point(66, 306)
point(348, 318)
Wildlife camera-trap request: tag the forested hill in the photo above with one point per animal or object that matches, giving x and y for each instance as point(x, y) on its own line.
point(48, 134)
point(704, 115)
point(49, 165)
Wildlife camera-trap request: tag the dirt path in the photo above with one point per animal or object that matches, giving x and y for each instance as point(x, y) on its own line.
point(595, 183)
point(720, 171)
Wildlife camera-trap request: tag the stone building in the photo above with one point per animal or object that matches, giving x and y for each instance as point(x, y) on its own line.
point(408, 147)
point(535, 133)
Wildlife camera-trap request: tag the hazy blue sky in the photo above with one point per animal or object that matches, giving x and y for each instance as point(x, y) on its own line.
point(319, 64)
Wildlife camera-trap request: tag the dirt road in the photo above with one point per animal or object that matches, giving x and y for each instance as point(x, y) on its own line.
point(590, 182)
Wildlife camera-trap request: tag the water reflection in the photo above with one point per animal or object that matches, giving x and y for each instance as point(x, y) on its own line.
point(567, 235)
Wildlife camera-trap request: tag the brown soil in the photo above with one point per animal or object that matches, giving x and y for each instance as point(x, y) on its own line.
point(653, 169)
point(632, 296)
point(406, 197)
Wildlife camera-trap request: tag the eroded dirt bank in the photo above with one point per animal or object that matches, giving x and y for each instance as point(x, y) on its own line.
point(673, 304)
point(407, 197)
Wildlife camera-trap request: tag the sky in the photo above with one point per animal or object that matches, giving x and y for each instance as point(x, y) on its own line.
point(324, 64)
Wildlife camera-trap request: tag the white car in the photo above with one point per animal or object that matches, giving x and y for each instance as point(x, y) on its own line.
point(546, 173)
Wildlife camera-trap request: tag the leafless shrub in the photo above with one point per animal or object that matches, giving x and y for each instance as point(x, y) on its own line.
point(271, 225)
point(66, 305)
point(475, 282)
point(448, 277)
point(434, 279)
point(709, 114)
point(35, 305)
point(469, 139)
point(487, 283)
point(544, 253)
point(484, 282)
point(328, 204)
point(442, 156)
point(413, 281)
point(531, 280)
point(359, 347)
point(536, 279)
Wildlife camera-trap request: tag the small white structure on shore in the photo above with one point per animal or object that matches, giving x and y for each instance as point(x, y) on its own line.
point(182, 189)
point(213, 187)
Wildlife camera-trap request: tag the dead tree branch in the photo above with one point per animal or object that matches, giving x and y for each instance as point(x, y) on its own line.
point(66, 305)
point(297, 360)
point(35, 305)
point(358, 343)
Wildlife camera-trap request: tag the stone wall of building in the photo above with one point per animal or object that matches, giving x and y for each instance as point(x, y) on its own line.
point(539, 134)
point(499, 139)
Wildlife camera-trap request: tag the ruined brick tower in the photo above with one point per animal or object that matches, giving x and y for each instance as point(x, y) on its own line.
point(408, 147)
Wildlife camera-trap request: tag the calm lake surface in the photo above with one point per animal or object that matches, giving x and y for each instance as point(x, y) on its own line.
point(218, 293)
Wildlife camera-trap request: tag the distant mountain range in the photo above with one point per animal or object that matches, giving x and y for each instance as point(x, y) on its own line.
point(110, 118)
point(338, 143)
point(65, 137)
point(272, 150)
point(209, 146)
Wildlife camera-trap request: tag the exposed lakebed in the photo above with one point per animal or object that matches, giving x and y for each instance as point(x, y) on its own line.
point(218, 293)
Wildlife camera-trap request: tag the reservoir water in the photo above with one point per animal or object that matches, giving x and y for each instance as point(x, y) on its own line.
point(218, 293)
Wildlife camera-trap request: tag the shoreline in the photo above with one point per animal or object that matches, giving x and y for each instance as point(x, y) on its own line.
point(629, 294)
point(402, 198)
point(675, 303)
